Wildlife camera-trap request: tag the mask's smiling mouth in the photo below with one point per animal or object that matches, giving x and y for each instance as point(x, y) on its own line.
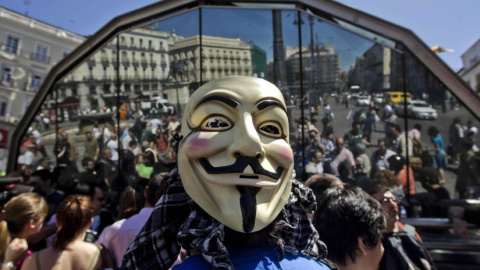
point(240, 166)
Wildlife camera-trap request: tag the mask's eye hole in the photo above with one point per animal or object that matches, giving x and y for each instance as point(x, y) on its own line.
point(271, 130)
point(216, 123)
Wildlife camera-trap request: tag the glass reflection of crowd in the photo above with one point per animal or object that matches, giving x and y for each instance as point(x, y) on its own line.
point(118, 177)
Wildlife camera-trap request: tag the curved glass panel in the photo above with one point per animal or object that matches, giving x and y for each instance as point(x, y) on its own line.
point(444, 137)
point(159, 68)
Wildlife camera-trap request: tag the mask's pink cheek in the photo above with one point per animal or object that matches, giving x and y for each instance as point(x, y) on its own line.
point(283, 152)
point(197, 145)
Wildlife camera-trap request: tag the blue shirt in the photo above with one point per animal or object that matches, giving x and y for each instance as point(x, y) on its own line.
point(438, 140)
point(259, 258)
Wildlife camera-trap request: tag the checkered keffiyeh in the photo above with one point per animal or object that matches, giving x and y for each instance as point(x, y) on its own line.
point(177, 221)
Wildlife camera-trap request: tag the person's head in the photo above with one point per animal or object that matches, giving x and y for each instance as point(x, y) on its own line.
point(319, 183)
point(396, 163)
point(132, 144)
point(350, 222)
point(339, 143)
point(113, 136)
point(88, 135)
point(382, 147)
point(356, 126)
point(155, 188)
point(64, 135)
point(389, 205)
point(98, 199)
point(330, 136)
point(235, 160)
point(88, 164)
point(395, 129)
point(457, 120)
point(107, 153)
point(74, 217)
point(360, 149)
point(432, 131)
point(31, 138)
point(417, 127)
point(386, 179)
point(24, 215)
point(139, 159)
point(45, 176)
point(149, 158)
point(130, 202)
point(325, 121)
point(315, 156)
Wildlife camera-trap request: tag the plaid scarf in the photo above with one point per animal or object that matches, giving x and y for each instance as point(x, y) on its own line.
point(177, 221)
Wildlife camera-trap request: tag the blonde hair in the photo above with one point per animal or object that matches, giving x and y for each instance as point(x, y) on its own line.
point(19, 211)
point(387, 179)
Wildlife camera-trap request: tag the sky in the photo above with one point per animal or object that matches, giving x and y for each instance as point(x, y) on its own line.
point(447, 23)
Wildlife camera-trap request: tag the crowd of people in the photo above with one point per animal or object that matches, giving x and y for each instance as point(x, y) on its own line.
point(91, 216)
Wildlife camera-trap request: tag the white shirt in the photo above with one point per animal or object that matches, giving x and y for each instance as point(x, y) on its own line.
point(123, 232)
point(113, 145)
point(126, 141)
point(38, 136)
point(155, 124)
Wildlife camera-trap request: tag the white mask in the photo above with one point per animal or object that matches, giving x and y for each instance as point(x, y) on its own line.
point(235, 160)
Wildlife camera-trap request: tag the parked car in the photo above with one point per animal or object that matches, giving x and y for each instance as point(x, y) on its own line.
point(417, 109)
point(379, 99)
point(363, 100)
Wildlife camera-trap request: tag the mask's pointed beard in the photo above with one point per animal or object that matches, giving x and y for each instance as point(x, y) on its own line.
point(248, 204)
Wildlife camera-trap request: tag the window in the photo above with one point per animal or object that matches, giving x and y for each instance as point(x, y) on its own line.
point(12, 44)
point(6, 76)
point(41, 53)
point(3, 107)
point(35, 83)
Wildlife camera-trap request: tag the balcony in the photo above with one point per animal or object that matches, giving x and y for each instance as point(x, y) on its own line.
point(144, 63)
point(135, 63)
point(41, 58)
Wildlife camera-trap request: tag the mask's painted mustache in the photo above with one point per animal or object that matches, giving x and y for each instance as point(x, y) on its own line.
point(239, 167)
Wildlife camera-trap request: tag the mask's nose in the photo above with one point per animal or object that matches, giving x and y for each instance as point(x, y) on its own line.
point(246, 141)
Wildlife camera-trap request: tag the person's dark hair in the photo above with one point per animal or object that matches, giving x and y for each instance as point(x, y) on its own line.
point(432, 131)
point(44, 174)
point(83, 189)
point(344, 215)
point(418, 126)
point(88, 132)
point(376, 189)
point(132, 142)
point(397, 127)
point(130, 202)
point(312, 154)
point(85, 161)
point(396, 163)
point(73, 215)
point(156, 186)
point(381, 140)
point(143, 125)
point(321, 182)
point(149, 158)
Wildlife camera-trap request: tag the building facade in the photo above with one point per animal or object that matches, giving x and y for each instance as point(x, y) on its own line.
point(470, 71)
point(28, 50)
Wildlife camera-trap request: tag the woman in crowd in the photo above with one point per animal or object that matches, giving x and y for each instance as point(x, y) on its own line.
point(388, 180)
point(23, 217)
point(439, 159)
point(69, 251)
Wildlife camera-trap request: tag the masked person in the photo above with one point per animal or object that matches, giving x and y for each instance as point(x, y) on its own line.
point(232, 203)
